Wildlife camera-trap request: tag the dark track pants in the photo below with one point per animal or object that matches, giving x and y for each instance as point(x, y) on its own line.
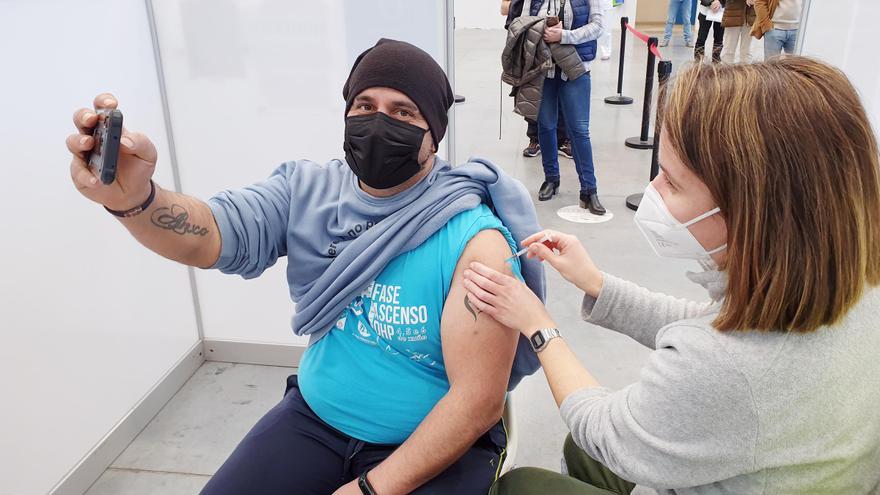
point(292, 451)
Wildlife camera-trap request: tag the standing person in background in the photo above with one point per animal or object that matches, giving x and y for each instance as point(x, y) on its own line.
point(711, 13)
point(739, 15)
point(676, 8)
point(580, 24)
point(779, 21)
point(605, 39)
point(513, 9)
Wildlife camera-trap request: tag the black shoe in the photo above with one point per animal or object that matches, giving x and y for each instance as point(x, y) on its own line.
point(591, 202)
point(533, 150)
point(565, 149)
point(548, 190)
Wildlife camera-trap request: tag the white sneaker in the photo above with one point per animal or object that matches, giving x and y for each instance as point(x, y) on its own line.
point(664, 42)
point(689, 44)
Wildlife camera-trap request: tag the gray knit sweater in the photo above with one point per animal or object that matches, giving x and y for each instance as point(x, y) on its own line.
point(735, 412)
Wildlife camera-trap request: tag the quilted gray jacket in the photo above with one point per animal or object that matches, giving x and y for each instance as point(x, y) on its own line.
point(527, 58)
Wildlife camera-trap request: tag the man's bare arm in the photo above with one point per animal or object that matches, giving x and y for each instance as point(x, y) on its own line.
point(178, 227)
point(478, 353)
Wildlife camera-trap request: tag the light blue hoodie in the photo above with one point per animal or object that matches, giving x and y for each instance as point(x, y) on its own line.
point(341, 237)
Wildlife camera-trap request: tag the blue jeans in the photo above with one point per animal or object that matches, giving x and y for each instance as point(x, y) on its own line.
point(676, 8)
point(291, 450)
point(777, 40)
point(573, 97)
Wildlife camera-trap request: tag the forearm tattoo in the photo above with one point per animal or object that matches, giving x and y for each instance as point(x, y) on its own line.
point(175, 220)
point(467, 304)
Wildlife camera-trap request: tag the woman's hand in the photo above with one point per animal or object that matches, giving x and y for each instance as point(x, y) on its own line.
point(716, 6)
point(553, 34)
point(570, 259)
point(506, 299)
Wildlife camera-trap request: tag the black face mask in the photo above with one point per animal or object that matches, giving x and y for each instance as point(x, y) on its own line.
point(382, 151)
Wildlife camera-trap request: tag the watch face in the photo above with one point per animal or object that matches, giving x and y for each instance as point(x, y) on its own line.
point(538, 340)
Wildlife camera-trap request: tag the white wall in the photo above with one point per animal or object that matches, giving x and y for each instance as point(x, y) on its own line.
point(486, 14)
point(845, 37)
point(89, 320)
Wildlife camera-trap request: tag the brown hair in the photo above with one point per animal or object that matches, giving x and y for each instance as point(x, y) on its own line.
point(789, 156)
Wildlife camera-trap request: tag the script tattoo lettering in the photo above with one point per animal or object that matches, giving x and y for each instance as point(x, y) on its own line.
point(175, 220)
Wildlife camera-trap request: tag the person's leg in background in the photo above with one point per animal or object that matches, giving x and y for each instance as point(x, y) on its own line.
point(731, 41)
point(548, 116)
point(717, 41)
point(773, 41)
point(564, 143)
point(790, 42)
point(671, 12)
point(684, 9)
point(700, 48)
point(746, 45)
point(289, 450)
point(605, 38)
point(575, 97)
point(532, 133)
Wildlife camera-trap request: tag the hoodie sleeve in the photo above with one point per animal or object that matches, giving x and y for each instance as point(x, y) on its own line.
point(253, 224)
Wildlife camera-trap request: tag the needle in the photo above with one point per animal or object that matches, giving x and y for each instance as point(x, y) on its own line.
point(524, 250)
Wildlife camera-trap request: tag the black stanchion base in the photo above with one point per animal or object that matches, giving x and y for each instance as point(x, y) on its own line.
point(633, 200)
point(637, 143)
point(619, 100)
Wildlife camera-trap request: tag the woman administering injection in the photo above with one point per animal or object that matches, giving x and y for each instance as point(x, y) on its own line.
point(770, 387)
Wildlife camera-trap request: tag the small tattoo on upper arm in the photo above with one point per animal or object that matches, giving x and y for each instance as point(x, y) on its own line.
point(175, 220)
point(467, 304)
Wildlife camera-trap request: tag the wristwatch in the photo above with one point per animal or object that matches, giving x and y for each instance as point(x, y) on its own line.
point(364, 484)
point(542, 337)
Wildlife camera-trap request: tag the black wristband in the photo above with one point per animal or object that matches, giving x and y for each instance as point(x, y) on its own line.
point(137, 210)
point(364, 484)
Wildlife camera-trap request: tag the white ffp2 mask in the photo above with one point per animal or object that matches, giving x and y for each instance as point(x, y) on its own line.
point(667, 236)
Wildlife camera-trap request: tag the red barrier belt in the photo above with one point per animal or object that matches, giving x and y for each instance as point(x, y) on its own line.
point(641, 36)
point(644, 37)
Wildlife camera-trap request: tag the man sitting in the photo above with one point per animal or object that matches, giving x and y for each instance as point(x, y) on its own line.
point(402, 386)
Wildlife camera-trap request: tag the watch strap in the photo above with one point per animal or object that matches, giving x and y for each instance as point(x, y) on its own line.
point(542, 337)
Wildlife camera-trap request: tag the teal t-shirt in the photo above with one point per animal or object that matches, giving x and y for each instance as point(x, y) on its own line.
point(380, 370)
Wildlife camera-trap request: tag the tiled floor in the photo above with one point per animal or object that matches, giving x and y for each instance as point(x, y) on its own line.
point(199, 427)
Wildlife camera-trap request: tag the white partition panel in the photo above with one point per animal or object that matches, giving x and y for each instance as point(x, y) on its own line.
point(253, 84)
point(89, 319)
point(838, 34)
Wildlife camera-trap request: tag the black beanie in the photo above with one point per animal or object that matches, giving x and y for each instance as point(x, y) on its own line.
point(408, 69)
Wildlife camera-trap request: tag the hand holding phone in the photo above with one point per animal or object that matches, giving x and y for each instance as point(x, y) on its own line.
point(105, 152)
point(111, 165)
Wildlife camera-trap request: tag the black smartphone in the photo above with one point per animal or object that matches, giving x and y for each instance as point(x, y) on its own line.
point(105, 153)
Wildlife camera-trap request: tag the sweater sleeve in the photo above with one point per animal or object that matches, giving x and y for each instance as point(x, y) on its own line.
point(589, 31)
point(690, 419)
point(635, 311)
point(253, 224)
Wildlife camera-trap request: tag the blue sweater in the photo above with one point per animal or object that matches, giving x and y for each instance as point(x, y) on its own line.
point(341, 238)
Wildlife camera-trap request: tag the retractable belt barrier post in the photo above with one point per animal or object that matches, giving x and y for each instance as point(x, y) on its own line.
point(619, 99)
point(643, 141)
point(664, 69)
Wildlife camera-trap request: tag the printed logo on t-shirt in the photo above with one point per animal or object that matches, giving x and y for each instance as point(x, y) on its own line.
point(391, 325)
